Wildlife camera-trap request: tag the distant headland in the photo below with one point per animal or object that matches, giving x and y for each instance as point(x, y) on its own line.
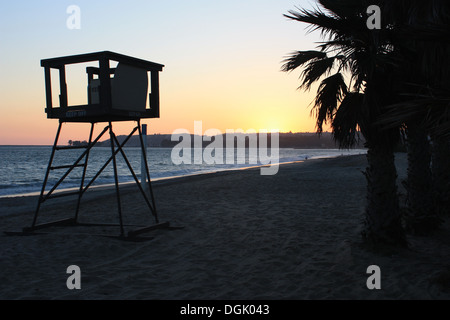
point(301, 140)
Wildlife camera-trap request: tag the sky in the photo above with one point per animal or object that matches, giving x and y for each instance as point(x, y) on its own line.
point(222, 62)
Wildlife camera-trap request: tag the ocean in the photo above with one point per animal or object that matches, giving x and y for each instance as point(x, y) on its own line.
point(22, 168)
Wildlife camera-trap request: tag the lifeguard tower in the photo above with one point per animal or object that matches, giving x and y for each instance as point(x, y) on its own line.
point(114, 94)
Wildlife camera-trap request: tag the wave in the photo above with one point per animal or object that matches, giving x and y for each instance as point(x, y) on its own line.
point(30, 180)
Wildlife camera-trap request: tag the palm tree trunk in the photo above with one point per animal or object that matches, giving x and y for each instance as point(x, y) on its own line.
point(421, 218)
point(383, 223)
point(441, 174)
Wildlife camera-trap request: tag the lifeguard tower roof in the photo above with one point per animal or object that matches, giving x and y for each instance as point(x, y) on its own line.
point(114, 94)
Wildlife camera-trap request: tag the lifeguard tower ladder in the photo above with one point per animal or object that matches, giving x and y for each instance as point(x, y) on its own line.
point(114, 94)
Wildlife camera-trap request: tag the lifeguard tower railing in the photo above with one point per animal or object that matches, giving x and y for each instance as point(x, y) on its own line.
point(114, 94)
point(103, 108)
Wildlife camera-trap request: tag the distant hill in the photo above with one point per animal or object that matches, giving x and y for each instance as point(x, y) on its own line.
point(286, 140)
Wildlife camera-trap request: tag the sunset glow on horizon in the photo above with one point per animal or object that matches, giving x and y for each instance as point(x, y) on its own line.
point(222, 63)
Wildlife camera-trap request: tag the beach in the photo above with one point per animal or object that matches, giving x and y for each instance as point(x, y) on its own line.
point(294, 235)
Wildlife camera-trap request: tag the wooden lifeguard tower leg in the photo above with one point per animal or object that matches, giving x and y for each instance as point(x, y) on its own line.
point(139, 185)
point(44, 197)
point(83, 177)
point(150, 203)
point(147, 172)
point(41, 196)
point(132, 234)
point(158, 225)
point(116, 179)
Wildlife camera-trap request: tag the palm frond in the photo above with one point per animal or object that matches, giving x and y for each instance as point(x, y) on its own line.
point(347, 119)
point(299, 58)
point(315, 70)
point(329, 95)
point(318, 20)
point(344, 8)
point(433, 112)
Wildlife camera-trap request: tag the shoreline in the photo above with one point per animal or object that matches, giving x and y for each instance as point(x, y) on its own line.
point(155, 180)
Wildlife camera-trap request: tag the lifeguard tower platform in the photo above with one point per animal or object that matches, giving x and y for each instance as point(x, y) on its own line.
point(114, 94)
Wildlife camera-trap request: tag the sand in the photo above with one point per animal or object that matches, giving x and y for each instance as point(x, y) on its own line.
point(295, 235)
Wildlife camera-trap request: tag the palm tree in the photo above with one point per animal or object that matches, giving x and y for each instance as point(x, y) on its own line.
point(355, 105)
point(420, 27)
